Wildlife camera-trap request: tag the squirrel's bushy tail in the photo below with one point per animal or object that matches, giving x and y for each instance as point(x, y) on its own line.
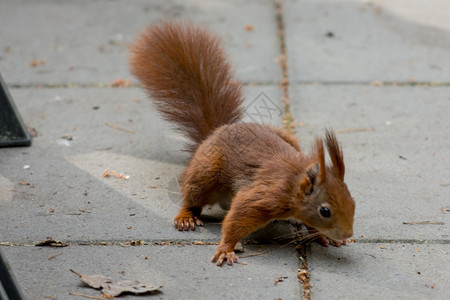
point(187, 75)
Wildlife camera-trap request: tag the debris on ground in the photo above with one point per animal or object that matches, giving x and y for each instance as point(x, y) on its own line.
point(113, 173)
point(35, 63)
point(253, 254)
point(121, 83)
point(279, 279)
point(119, 128)
point(49, 242)
point(113, 288)
point(425, 222)
point(239, 247)
point(445, 209)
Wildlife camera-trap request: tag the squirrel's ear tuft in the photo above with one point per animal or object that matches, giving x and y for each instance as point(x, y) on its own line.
point(318, 148)
point(335, 151)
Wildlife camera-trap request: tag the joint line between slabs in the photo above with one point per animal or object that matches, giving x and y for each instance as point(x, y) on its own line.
point(288, 120)
point(375, 83)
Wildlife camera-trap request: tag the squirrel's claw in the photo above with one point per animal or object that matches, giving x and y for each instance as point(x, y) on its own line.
point(182, 224)
point(186, 224)
point(220, 257)
point(324, 241)
point(198, 222)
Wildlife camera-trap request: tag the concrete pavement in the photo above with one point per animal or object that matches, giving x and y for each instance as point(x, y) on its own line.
point(376, 71)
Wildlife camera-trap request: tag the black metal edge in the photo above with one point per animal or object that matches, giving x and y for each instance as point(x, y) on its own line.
point(15, 143)
point(8, 282)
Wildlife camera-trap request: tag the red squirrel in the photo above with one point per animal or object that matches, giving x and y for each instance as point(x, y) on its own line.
point(261, 168)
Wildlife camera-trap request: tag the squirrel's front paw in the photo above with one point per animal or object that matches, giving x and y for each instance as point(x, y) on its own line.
point(325, 241)
point(221, 255)
point(186, 223)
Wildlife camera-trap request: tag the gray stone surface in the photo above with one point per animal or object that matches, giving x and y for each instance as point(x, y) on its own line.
point(181, 270)
point(397, 159)
point(86, 42)
point(397, 170)
point(394, 137)
point(380, 271)
point(63, 194)
point(359, 41)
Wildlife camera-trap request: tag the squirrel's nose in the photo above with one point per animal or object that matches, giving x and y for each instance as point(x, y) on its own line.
point(347, 234)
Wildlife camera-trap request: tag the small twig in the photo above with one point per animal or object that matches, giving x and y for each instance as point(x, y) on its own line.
point(279, 279)
point(424, 222)
point(103, 149)
point(254, 254)
point(373, 256)
point(354, 130)
point(75, 272)
point(87, 296)
point(53, 256)
point(119, 128)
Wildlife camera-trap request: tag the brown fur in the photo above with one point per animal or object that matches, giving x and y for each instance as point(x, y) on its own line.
point(336, 155)
point(260, 167)
point(186, 72)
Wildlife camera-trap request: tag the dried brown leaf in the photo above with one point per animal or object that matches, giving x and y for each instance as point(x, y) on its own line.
point(49, 242)
point(115, 288)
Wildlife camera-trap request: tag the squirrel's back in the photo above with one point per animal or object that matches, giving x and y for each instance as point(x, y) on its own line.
point(187, 75)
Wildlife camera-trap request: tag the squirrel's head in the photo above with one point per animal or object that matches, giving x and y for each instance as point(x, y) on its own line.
point(329, 205)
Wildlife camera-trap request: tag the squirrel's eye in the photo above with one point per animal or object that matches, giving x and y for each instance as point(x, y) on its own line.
point(325, 212)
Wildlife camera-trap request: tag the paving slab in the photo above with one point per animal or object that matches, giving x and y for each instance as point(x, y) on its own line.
point(56, 188)
point(360, 41)
point(396, 159)
point(181, 270)
point(395, 141)
point(380, 271)
point(87, 42)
